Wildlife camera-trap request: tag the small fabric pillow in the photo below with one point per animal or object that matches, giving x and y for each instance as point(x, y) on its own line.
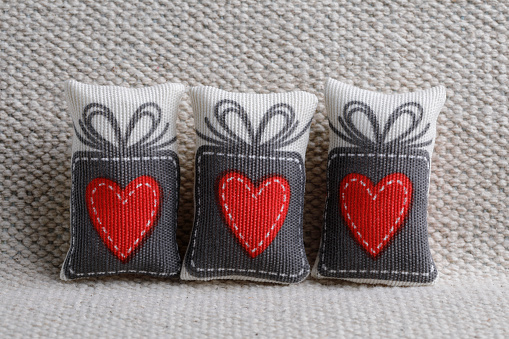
point(125, 181)
point(249, 187)
point(375, 227)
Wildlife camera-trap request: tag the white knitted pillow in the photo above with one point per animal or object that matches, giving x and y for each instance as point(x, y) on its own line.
point(249, 187)
point(375, 227)
point(125, 180)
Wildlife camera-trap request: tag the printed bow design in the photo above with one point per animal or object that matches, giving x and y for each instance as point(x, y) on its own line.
point(405, 139)
point(149, 140)
point(253, 141)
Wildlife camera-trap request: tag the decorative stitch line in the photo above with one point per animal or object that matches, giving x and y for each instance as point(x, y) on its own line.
point(380, 155)
point(198, 212)
point(94, 191)
point(381, 271)
point(374, 198)
point(325, 268)
point(73, 233)
point(254, 196)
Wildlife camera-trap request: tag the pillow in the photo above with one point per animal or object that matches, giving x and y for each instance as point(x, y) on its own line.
point(375, 223)
point(125, 181)
point(249, 186)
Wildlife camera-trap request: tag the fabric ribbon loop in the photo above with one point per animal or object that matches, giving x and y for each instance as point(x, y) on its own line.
point(253, 138)
point(123, 144)
point(409, 138)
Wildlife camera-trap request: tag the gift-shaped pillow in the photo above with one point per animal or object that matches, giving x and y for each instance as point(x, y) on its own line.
point(249, 186)
point(378, 172)
point(125, 181)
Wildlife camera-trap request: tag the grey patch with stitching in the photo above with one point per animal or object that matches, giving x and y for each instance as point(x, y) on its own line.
point(158, 254)
point(214, 251)
point(407, 257)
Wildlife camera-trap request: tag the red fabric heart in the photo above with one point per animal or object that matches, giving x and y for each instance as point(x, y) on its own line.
point(123, 217)
point(254, 214)
point(375, 213)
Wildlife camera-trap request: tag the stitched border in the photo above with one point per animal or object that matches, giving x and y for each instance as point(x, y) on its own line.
point(405, 202)
point(73, 233)
point(381, 272)
point(410, 156)
point(285, 202)
point(111, 188)
point(198, 206)
point(325, 268)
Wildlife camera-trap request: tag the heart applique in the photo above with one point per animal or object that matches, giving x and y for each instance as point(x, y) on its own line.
point(254, 213)
point(374, 214)
point(123, 217)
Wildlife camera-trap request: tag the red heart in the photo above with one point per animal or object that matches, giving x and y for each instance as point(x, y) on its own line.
point(375, 213)
point(255, 214)
point(123, 217)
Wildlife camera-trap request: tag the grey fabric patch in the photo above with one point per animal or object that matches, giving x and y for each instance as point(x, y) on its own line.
point(158, 254)
point(214, 251)
point(407, 257)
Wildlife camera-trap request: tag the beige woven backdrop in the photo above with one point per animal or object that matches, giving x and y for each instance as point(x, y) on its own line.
point(393, 46)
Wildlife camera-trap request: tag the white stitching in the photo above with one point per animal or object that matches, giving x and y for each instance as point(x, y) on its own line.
point(259, 193)
point(380, 155)
point(120, 271)
point(381, 271)
point(198, 161)
point(123, 203)
point(380, 190)
point(73, 233)
point(322, 249)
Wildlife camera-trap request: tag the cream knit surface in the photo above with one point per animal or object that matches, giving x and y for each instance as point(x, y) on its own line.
point(248, 46)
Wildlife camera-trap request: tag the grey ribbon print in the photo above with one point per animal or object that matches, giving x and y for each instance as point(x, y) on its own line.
point(148, 142)
point(254, 143)
point(352, 135)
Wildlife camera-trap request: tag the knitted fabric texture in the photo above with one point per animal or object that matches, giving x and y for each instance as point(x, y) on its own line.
point(259, 46)
point(375, 223)
point(125, 181)
point(249, 187)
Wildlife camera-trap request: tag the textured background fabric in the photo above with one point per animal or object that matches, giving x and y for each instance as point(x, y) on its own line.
point(249, 46)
